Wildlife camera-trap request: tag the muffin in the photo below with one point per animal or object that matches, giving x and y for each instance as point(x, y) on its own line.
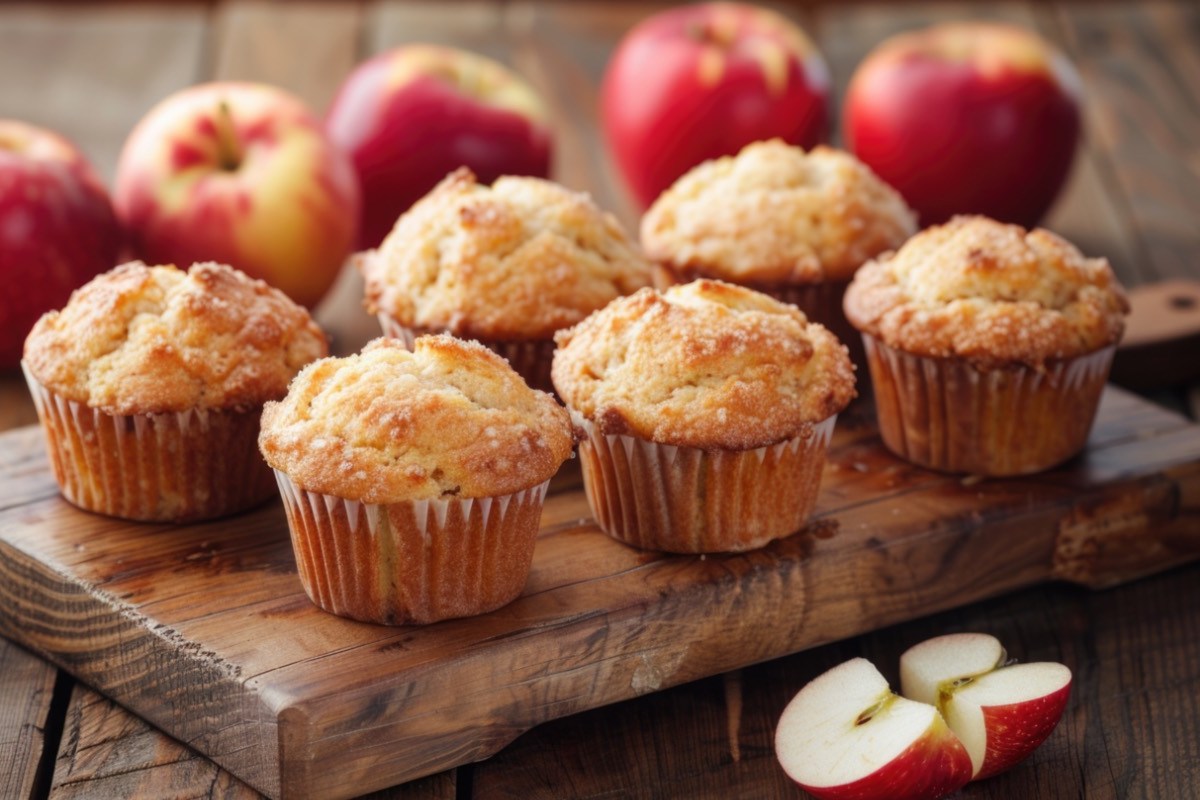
point(707, 410)
point(150, 382)
point(507, 265)
point(988, 345)
point(413, 481)
point(791, 224)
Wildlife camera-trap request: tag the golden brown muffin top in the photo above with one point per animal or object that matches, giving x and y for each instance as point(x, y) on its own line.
point(775, 214)
point(705, 364)
point(513, 262)
point(149, 340)
point(450, 419)
point(991, 293)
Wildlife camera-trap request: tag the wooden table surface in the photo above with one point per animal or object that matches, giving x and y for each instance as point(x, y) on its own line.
point(1131, 729)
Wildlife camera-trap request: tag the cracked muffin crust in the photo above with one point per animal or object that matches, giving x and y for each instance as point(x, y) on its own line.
point(449, 419)
point(775, 214)
point(150, 340)
point(706, 364)
point(512, 262)
point(990, 293)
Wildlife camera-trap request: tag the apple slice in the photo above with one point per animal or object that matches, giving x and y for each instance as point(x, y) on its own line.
point(1000, 712)
point(925, 667)
point(847, 735)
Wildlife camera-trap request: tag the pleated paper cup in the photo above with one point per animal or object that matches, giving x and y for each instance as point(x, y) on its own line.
point(529, 359)
point(174, 467)
point(948, 415)
point(412, 562)
point(688, 500)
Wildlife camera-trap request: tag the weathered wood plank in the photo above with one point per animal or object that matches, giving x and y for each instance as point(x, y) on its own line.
point(108, 752)
point(26, 689)
point(475, 25)
point(1134, 651)
point(306, 47)
point(204, 629)
point(1139, 63)
point(101, 67)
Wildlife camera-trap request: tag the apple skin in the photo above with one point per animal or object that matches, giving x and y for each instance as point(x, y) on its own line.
point(241, 174)
point(698, 82)
point(412, 115)
point(1000, 711)
point(933, 766)
point(967, 118)
point(847, 736)
point(57, 229)
point(1001, 717)
point(1015, 731)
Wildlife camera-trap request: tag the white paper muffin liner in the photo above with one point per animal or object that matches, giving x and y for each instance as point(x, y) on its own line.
point(948, 415)
point(173, 467)
point(688, 500)
point(412, 562)
point(530, 359)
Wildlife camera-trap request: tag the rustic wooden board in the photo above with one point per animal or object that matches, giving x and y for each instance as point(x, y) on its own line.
point(205, 631)
point(26, 690)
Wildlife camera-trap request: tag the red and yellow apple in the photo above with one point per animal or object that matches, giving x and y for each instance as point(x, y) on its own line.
point(967, 118)
point(57, 229)
point(242, 174)
point(1001, 712)
point(412, 115)
point(701, 81)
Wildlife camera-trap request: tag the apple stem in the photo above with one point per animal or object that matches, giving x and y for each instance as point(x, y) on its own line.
point(229, 150)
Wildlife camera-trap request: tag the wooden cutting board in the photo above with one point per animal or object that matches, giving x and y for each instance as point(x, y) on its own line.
point(205, 631)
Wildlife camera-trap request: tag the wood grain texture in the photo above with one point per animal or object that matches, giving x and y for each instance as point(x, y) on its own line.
point(107, 752)
point(111, 63)
point(1134, 652)
point(26, 688)
point(1161, 347)
point(1139, 62)
point(204, 630)
point(306, 48)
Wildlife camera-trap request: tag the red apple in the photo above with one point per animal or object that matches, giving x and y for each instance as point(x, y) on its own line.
point(1000, 712)
point(702, 81)
point(847, 735)
point(242, 174)
point(411, 116)
point(967, 118)
point(57, 229)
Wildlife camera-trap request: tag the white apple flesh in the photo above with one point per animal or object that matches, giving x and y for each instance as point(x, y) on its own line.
point(847, 735)
point(1000, 713)
point(925, 667)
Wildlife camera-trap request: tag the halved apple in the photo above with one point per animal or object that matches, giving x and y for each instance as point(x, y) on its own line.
point(1001, 712)
point(847, 735)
